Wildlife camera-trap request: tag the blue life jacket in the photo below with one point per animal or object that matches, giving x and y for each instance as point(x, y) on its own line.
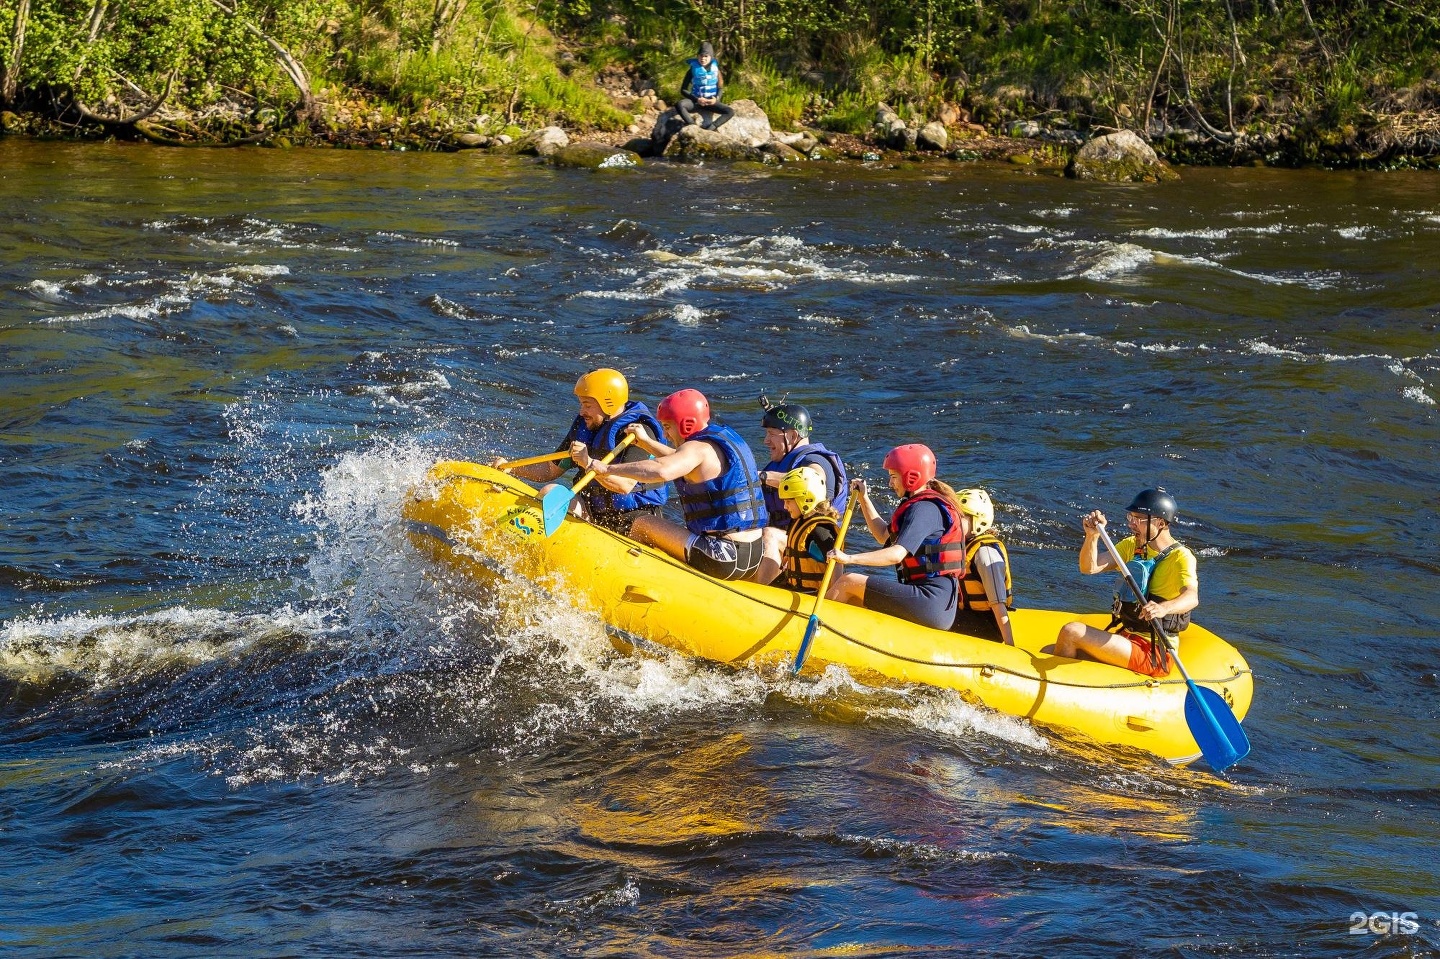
point(602, 440)
point(732, 501)
point(776, 506)
point(704, 82)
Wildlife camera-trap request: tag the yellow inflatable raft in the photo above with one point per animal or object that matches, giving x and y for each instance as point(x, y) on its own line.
point(479, 520)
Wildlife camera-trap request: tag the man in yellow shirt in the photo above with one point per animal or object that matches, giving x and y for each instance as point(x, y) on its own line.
point(1165, 570)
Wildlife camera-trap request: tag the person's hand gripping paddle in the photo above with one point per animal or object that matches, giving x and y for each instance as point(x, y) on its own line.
point(1213, 724)
point(556, 502)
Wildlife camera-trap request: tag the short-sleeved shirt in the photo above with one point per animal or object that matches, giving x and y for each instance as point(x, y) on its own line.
point(925, 520)
point(1172, 575)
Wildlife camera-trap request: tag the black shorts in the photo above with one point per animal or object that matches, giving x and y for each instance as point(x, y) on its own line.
point(981, 624)
point(723, 558)
point(620, 520)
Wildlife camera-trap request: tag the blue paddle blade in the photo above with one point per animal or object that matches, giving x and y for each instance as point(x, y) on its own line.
point(1216, 730)
point(810, 630)
point(553, 507)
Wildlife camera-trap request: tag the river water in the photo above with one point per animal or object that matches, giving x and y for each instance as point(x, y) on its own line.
point(237, 718)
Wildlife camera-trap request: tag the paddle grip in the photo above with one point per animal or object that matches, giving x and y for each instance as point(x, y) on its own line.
point(590, 473)
point(1135, 588)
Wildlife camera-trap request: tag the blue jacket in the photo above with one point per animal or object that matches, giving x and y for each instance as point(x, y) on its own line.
point(781, 519)
point(702, 81)
point(602, 440)
point(732, 501)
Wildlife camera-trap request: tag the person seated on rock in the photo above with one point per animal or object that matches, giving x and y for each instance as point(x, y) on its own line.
point(813, 531)
point(986, 596)
point(701, 90)
point(1163, 568)
point(714, 473)
point(788, 428)
point(605, 411)
point(924, 540)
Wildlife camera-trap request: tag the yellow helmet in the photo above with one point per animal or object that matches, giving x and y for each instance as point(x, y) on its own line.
point(805, 486)
point(606, 387)
point(976, 503)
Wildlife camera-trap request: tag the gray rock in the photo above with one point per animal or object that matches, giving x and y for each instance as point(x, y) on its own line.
point(594, 156)
point(782, 152)
point(542, 142)
point(1119, 158)
point(933, 136)
point(471, 141)
point(695, 145)
point(1025, 129)
point(746, 130)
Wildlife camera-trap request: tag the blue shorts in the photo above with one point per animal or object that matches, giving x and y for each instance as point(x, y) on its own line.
point(931, 603)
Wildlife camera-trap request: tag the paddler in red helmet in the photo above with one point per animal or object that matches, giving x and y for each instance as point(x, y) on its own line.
point(714, 473)
point(924, 540)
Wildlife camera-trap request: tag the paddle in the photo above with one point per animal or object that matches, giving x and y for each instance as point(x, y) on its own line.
point(1216, 730)
point(556, 501)
point(532, 460)
point(814, 625)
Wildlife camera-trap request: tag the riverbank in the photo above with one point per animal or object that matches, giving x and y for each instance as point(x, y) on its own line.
point(1345, 89)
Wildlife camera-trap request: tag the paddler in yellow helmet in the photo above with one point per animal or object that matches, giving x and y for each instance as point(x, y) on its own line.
point(986, 595)
point(812, 533)
point(606, 410)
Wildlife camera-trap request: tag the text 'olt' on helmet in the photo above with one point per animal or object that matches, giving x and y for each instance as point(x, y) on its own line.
point(788, 416)
point(915, 464)
point(805, 486)
point(976, 504)
point(607, 388)
point(689, 410)
point(1154, 502)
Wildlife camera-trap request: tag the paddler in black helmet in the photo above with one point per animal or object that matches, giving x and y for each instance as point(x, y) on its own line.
point(788, 436)
point(605, 411)
point(1165, 570)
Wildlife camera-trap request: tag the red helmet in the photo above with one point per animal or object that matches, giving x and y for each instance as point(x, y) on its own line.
point(915, 464)
point(689, 410)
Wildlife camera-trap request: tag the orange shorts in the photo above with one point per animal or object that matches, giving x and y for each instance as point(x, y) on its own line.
point(1140, 659)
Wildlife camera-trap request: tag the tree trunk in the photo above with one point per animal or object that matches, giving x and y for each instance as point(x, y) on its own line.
point(293, 68)
point(10, 72)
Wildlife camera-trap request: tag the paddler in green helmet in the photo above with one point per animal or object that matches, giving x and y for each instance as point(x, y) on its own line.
point(1163, 567)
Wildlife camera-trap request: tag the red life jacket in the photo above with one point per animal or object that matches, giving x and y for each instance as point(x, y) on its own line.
point(942, 555)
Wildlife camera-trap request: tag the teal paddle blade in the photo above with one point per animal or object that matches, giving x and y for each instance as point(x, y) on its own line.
point(553, 507)
point(1216, 730)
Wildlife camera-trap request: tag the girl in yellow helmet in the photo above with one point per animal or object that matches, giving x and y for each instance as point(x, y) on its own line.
point(812, 533)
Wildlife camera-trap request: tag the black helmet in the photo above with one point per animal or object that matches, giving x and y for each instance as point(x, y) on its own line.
point(1154, 502)
point(788, 416)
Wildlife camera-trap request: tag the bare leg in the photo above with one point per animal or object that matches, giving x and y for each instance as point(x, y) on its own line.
point(771, 546)
point(848, 588)
point(1077, 639)
point(661, 533)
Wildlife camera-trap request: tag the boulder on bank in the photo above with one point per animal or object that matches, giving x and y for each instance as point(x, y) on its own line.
point(594, 156)
point(933, 136)
point(742, 134)
point(1119, 158)
point(542, 142)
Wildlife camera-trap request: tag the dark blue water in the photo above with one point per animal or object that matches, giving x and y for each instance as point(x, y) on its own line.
point(239, 718)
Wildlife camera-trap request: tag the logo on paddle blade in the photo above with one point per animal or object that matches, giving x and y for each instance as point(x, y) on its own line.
point(523, 521)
